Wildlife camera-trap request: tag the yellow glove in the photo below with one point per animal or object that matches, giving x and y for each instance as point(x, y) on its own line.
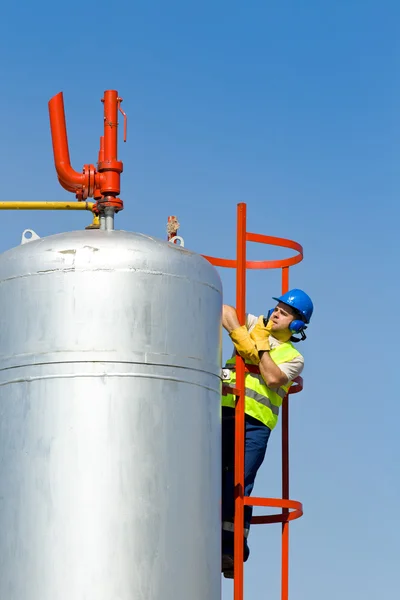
point(260, 334)
point(244, 345)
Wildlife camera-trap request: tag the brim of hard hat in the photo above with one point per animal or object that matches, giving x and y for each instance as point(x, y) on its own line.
point(279, 300)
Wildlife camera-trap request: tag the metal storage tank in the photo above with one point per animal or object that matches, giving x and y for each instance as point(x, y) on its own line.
point(109, 420)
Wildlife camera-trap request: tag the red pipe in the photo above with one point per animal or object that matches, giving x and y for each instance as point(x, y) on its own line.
point(110, 168)
point(65, 186)
point(69, 178)
point(110, 125)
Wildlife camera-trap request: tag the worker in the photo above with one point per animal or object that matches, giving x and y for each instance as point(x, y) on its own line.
point(271, 364)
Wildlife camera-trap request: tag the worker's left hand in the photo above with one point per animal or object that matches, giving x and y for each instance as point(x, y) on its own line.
point(260, 334)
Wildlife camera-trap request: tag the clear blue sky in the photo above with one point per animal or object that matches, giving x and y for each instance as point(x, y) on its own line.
point(293, 107)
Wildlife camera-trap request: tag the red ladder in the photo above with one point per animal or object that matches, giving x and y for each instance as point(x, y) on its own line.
point(291, 509)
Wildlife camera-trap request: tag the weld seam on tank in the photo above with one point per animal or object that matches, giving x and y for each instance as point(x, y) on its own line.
point(207, 370)
point(111, 270)
point(108, 375)
point(110, 362)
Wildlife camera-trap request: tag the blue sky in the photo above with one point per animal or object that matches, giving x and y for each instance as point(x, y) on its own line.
point(293, 108)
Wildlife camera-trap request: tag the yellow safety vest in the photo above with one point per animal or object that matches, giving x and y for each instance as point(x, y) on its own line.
point(261, 402)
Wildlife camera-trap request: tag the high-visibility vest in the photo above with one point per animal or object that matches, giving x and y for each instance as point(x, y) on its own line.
point(261, 402)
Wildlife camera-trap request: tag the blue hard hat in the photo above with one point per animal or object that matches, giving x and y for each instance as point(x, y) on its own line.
point(300, 301)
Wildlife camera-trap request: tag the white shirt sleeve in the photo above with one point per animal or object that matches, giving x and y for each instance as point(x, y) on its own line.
point(251, 320)
point(293, 368)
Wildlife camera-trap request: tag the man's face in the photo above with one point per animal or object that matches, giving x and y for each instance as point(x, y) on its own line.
point(282, 316)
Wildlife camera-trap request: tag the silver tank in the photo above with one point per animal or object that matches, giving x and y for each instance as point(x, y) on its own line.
point(109, 420)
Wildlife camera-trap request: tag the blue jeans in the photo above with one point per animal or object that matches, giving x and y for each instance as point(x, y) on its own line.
point(256, 440)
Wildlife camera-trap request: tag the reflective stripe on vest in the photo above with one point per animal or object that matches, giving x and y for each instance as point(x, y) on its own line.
point(229, 526)
point(261, 402)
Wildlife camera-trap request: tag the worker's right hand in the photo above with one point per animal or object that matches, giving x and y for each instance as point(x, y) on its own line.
point(260, 334)
point(244, 344)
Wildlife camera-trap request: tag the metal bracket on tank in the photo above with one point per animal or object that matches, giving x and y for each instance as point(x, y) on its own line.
point(28, 235)
point(181, 240)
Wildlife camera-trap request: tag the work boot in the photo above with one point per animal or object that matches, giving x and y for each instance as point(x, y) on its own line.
point(227, 566)
point(228, 574)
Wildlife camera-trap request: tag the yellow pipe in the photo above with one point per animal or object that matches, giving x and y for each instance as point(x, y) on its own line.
point(95, 224)
point(46, 205)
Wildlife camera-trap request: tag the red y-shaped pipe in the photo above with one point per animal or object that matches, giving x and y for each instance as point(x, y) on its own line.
point(103, 183)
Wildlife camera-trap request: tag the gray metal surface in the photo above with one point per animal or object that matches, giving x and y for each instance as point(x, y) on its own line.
point(110, 359)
